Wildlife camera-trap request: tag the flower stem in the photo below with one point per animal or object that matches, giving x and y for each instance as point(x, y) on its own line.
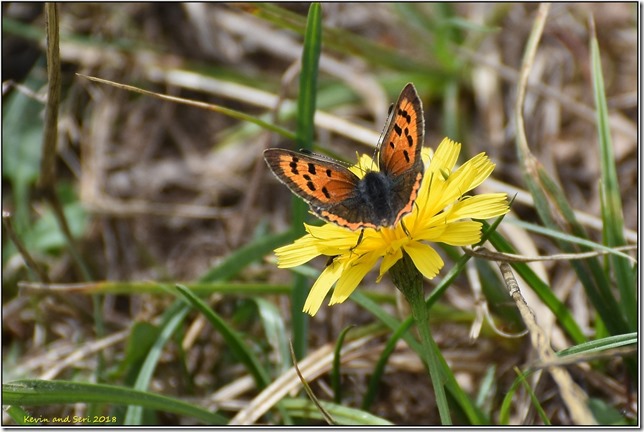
point(409, 281)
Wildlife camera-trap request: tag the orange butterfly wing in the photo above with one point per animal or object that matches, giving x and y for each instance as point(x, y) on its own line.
point(327, 186)
point(404, 135)
point(399, 155)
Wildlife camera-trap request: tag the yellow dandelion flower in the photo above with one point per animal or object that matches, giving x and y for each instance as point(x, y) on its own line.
point(441, 213)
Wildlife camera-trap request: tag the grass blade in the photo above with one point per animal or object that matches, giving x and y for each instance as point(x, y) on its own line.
point(343, 415)
point(600, 345)
point(309, 78)
point(612, 214)
point(335, 371)
point(233, 340)
point(39, 392)
point(243, 256)
point(567, 237)
point(350, 43)
point(275, 328)
point(304, 139)
point(172, 319)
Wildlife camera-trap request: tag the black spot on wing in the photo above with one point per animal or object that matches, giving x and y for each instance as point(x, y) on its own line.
point(406, 154)
point(410, 139)
point(293, 165)
point(405, 114)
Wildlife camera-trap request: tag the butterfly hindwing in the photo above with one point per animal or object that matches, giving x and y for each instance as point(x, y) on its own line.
point(353, 213)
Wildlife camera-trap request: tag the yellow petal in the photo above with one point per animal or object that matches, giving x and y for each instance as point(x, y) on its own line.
point(388, 262)
point(440, 194)
point(351, 277)
point(481, 166)
point(459, 182)
point(482, 206)
point(365, 163)
point(461, 233)
point(425, 258)
point(297, 253)
point(431, 229)
point(333, 240)
point(322, 286)
point(445, 156)
point(426, 153)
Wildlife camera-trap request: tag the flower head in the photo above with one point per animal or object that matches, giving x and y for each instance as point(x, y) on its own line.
point(441, 213)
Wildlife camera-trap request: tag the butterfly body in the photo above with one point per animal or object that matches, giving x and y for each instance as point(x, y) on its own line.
point(376, 191)
point(381, 197)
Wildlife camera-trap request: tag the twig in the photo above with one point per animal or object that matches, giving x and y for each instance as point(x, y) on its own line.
point(47, 180)
point(573, 396)
point(31, 263)
point(307, 388)
point(509, 257)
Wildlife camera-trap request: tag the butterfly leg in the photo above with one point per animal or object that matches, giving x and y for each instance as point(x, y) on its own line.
point(358, 242)
point(331, 258)
point(402, 224)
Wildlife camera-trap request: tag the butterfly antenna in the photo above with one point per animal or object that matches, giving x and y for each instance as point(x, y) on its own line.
point(390, 114)
point(358, 165)
point(325, 157)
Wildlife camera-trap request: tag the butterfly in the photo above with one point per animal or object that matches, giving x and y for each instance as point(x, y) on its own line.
point(381, 197)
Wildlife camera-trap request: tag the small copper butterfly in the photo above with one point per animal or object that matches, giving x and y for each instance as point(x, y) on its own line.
point(380, 198)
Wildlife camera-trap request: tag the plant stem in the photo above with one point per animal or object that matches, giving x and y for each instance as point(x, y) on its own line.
point(409, 281)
